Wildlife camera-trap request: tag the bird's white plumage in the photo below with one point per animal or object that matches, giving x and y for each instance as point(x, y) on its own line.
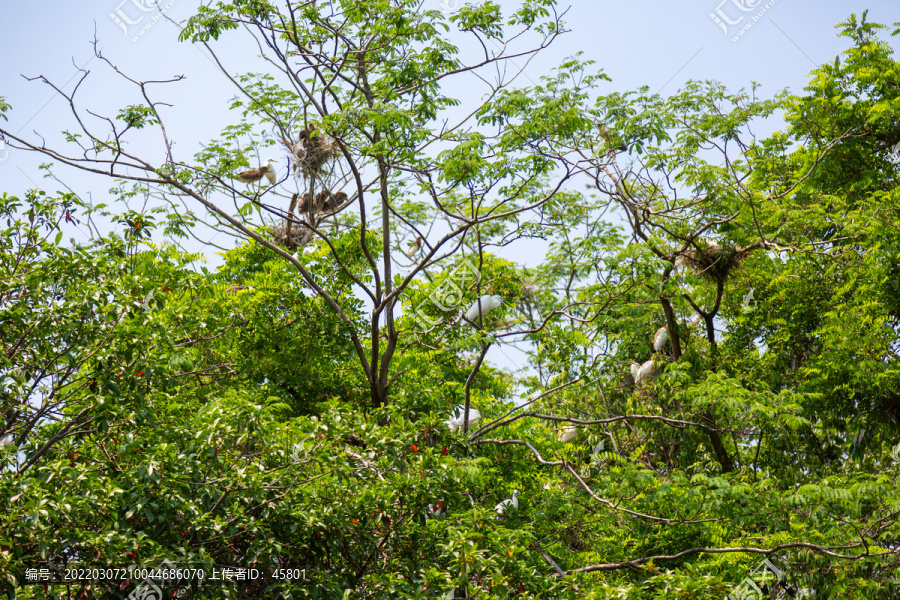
point(567, 434)
point(458, 415)
point(269, 172)
point(486, 303)
point(635, 368)
point(644, 372)
point(504, 505)
point(660, 338)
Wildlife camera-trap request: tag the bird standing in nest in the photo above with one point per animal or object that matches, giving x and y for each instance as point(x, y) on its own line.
point(254, 175)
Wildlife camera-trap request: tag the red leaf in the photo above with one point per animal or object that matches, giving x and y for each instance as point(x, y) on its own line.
point(354, 520)
point(124, 584)
point(440, 504)
point(415, 449)
point(444, 451)
point(140, 372)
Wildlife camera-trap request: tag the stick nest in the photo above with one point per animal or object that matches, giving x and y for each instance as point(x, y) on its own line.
point(311, 151)
point(290, 239)
point(711, 260)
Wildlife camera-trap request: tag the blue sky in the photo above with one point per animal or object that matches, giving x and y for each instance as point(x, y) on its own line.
point(658, 44)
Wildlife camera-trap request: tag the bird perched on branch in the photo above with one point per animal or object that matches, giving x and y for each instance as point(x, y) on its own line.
point(458, 415)
point(505, 505)
point(606, 134)
point(660, 338)
point(254, 175)
point(483, 306)
point(414, 247)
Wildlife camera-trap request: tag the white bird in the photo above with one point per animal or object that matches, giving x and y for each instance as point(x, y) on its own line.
point(458, 415)
point(644, 372)
point(7, 440)
point(504, 505)
point(256, 174)
point(484, 305)
point(414, 247)
point(635, 369)
point(567, 434)
point(660, 338)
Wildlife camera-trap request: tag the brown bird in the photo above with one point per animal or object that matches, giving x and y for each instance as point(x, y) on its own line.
point(254, 175)
point(325, 202)
point(303, 205)
point(322, 199)
point(334, 202)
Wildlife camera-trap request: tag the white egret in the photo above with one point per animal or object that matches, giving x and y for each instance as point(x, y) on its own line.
point(567, 434)
point(483, 305)
point(504, 505)
point(645, 371)
point(660, 338)
point(256, 174)
point(458, 415)
point(635, 369)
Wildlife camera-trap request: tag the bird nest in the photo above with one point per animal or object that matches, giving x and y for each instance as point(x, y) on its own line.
point(711, 260)
point(288, 238)
point(311, 151)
